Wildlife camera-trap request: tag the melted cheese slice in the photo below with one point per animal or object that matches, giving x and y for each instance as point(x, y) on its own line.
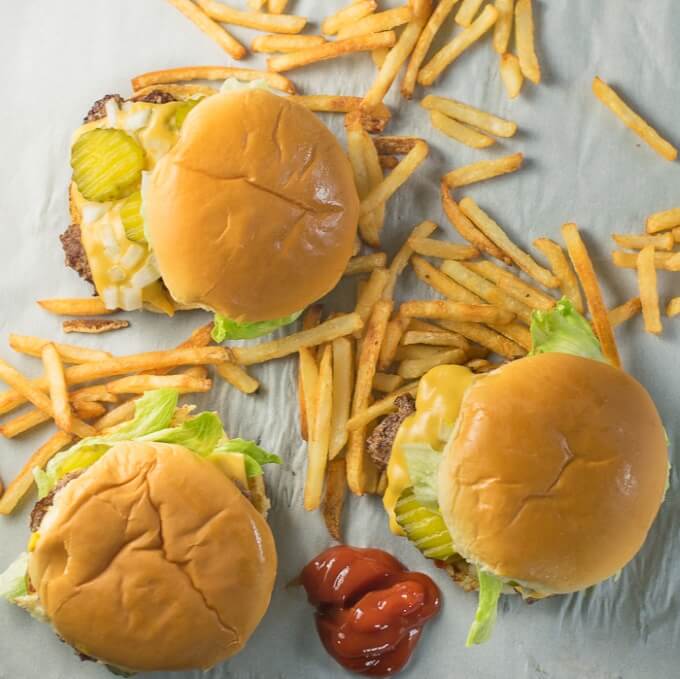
point(438, 401)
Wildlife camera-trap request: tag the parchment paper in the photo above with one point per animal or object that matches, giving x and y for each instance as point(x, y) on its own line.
point(56, 58)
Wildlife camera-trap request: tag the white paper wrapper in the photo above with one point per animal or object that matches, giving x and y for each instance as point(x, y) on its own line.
point(582, 165)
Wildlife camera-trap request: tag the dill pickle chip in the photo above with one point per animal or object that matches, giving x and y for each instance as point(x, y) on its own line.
point(131, 216)
point(424, 527)
point(182, 111)
point(107, 164)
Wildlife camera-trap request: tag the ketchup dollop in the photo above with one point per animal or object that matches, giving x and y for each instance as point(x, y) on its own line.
point(370, 609)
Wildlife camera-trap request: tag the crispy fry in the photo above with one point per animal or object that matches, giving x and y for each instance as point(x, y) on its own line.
point(326, 332)
point(285, 43)
point(487, 122)
point(343, 385)
point(649, 294)
point(201, 337)
point(372, 121)
point(673, 308)
point(387, 383)
point(456, 311)
point(503, 28)
point(487, 338)
point(524, 37)
point(122, 413)
point(308, 372)
point(334, 497)
point(415, 351)
point(86, 306)
point(277, 6)
point(54, 372)
point(429, 247)
point(562, 269)
point(483, 170)
point(632, 120)
point(662, 221)
point(366, 263)
point(667, 261)
point(69, 353)
point(380, 408)
point(450, 52)
point(625, 311)
point(395, 330)
point(413, 368)
point(511, 74)
point(676, 234)
point(466, 228)
point(591, 287)
point(376, 23)
point(94, 326)
point(24, 422)
point(96, 392)
point(348, 15)
point(513, 285)
point(435, 338)
point(331, 50)
point(495, 233)
point(371, 293)
point(138, 384)
point(397, 145)
point(21, 485)
point(391, 184)
point(186, 73)
point(467, 12)
point(88, 410)
point(661, 241)
point(238, 377)
point(272, 23)
point(375, 177)
point(460, 132)
point(213, 30)
point(256, 5)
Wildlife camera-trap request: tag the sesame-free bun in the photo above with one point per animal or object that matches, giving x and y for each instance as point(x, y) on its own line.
point(555, 473)
point(154, 560)
point(254, 212)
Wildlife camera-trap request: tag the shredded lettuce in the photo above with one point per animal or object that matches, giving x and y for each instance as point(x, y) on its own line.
point(253, 455)
point(563, 330)
point(490, 588)
point(423, 466)
point(227, 329)
point(13, 583)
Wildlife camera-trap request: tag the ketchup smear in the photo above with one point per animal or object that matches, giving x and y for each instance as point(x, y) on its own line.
point(370, 609)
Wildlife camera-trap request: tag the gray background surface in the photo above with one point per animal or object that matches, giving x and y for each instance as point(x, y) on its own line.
point(56, 58)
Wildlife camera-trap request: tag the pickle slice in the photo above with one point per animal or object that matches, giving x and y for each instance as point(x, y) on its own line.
point(107, 164)
point(182, 111)
point(424, 527)
point(131, 216)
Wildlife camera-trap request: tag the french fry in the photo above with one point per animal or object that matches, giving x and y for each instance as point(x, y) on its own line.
point(429, 247)
point(69, 353)
point(467, 12)
point(320, 434)
point(524, 37)
point(649, 294)
point(21, 485)
point(562, 269)
point(511, 74)
point(496, 234)
point(272, 23)
point(334, 497)
point(660, 241)
point(379, 57)
point(456, 311)
point(23, 423)
point(483, 170)
point(488, 338)
point(308, 373)
point(277, 6)
point(387, 383)
point(188, 73)
point(450, 52)
point(331, 50)
point(419, 351)
point(413, 368)
point(199, 338)
point(395, 330)
point(436, 338)
point(663, 221)
point(676, 234)
point(391, 184)
point(94, 393)
point(513, 285)
point(86, 306)
point(398, 145)
point(371, 294)
point(625, 311)
point(437, 18)
point(460, 132)
point(88, 410)
point(481, 365)
point(380, 408)
point(503, 28)
point(343, 385)
point(591, 288)
point(667, 261)
point(94, 326)
point(486, 122)
point(285, 43)
point(238, 377)
point(376, 23)
point(372, 121)
point(632, 120)
point(673, 308)
point(54, 372)
point(348, 15)
point(401, 259)
point(375, 177)
point(366, 263)
point(326, 332)
point(359, 467)
point(213, 30)
point(256, 5)
point(122, 413)
point(138, 384)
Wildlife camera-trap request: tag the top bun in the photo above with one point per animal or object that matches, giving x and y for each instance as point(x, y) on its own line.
point(254, 212)
point(555, 472)
point(154, 560)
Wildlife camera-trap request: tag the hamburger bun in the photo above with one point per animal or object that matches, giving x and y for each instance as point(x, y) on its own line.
point(154, 560)
point(555, 473)
point(253, 214)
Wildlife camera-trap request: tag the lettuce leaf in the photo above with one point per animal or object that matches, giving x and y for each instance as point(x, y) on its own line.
point(254, 456)
point(13, 582)
point(227, 329)
point(490, 588)
point(563, 330)
point(423, 467)
point(200, 434)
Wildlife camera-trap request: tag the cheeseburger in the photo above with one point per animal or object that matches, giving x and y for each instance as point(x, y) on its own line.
point(542, 477)
point(242, 203)
point(149, 547)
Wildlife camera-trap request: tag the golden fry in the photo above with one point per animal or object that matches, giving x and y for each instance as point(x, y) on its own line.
point(334, 497)
point(237, 376)
point(435, 338)
point(464, 113)
point(86, 306)
point(376, 23)
point(649, 294)
point(503, 28)
point(54, 372)
point(467, 12)
point(487, 338)
point(277, 6)
point(668, 261)
point(663, 221)
point(562, 269)
point(481, 365)
point(139, 384)
point(625, 311)
point(413, 368)
point(395, 330)
point(366, 263)
point(429, 247)
point(343, 386)
point(460, 132)
point(483, 170)
point(348, 15)
point(511, 74)
point(386, 383)
point(371, 293)
point(69, 353)
point(272, 23)
point(308, 373)
point(673, 308)
point(661, 241)
point(397, 145)
point(525, 39)
point(456, 311)
point(380, 408)
point(285, 43)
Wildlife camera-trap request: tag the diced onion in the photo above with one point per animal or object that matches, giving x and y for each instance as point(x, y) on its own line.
point(111, 107)
point(108, 239)
point(130, 298)
point(132, 256)
point(117, 274)
point(145, 276)
point(109, 296)
point(137, 120)
point(91, 212)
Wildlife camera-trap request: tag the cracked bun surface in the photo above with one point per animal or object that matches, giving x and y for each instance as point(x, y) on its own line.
point(254, 212)
point(555, 473)
point(154, 560)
